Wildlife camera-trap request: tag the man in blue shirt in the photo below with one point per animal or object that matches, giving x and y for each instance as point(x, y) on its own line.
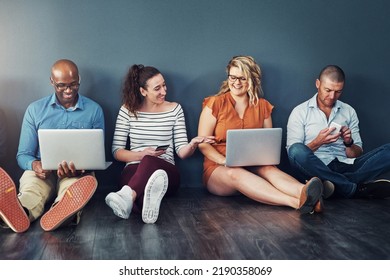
point(66, 108)
point(323, 140)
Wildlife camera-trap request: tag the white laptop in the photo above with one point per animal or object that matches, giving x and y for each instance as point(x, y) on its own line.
point(253, 147)
point(84, 147)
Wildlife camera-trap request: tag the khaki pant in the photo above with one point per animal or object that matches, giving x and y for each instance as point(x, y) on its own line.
point(35, 192)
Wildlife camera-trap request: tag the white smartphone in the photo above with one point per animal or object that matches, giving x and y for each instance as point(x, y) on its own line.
point(337, 126)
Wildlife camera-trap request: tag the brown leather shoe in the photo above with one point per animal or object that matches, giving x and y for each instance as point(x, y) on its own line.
point(310, 195)
point(328, 189)
point(319, 206)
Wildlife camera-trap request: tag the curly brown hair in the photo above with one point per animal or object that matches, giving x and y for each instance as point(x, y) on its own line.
point(137, 77)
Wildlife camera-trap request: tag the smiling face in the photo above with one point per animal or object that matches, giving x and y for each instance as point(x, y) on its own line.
point(65, 80)
point(238, 83)
point(155, 90)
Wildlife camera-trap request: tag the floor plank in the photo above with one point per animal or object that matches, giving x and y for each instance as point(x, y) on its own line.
point(194, 224)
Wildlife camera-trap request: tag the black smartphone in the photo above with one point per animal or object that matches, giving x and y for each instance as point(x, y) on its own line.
point(162, 148)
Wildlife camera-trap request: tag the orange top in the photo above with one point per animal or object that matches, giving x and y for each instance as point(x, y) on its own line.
point(222, 108)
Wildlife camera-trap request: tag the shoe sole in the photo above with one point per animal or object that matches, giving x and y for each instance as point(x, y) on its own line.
point(11, 211)
point(328, 189)
point(116, 207)
point(155, 190)
point(75, 198)
point(313, 193)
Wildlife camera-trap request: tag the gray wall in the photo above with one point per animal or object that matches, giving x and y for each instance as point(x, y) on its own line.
point(191, 43)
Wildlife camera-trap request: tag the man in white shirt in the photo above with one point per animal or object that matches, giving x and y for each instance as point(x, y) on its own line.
point(323, 140)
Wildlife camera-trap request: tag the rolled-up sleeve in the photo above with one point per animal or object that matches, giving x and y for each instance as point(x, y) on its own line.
point(28, 143)
point(295, 128)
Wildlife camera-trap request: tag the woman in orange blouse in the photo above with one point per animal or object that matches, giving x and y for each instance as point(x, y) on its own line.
point(239, 104)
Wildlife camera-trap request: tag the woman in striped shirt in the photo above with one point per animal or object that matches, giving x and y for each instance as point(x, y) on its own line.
point(149, 122)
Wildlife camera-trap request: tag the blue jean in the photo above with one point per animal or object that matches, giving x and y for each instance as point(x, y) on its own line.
point(346, 177)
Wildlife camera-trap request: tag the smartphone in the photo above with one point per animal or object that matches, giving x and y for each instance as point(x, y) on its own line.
point(162, 147)
point(337, 126)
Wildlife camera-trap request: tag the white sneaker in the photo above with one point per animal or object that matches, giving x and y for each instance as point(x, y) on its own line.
point(121, 202)
point(155, 190)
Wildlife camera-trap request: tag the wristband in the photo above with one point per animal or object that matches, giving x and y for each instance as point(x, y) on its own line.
point(348, 144)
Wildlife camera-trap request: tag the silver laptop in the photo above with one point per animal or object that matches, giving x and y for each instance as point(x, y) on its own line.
point(84, 147)
point(253, 147)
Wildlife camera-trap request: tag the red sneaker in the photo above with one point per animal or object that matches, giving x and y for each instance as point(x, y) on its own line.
point(75, 198)
point(11, 211)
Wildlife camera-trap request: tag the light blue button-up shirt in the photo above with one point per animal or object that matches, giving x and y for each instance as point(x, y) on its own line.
point(48, 113)
point(307, 120)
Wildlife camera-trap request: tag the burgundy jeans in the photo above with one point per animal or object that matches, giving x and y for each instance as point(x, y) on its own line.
point(137, 175)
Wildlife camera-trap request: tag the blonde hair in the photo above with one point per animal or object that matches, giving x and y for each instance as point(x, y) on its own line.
point(252, 73)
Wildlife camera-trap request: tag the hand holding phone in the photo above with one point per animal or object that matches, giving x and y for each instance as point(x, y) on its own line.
point(335, 125)
point(162, 147)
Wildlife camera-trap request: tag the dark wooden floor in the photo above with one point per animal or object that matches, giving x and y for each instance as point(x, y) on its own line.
point(197, 225)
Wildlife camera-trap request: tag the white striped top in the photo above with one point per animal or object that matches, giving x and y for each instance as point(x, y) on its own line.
point(151, 130)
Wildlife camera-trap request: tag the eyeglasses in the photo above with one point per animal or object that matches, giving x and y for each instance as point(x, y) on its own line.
point(233, 78)
point(63, 87)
